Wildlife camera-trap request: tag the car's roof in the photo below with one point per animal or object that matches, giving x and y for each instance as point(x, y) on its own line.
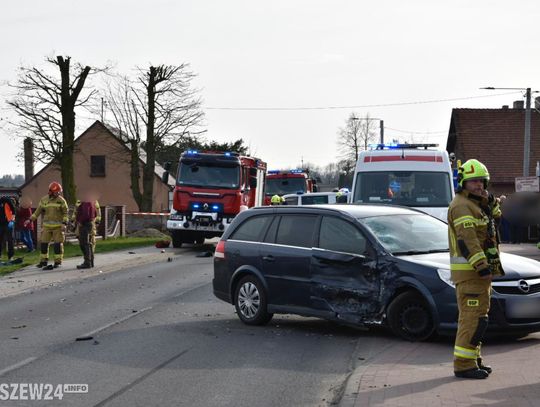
point(311, 194)
point(354, 210)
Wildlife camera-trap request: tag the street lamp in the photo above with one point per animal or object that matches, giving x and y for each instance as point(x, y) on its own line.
point(527, 139)
point(381, 124)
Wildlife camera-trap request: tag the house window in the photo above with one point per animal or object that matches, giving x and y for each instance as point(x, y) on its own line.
point(97, 166)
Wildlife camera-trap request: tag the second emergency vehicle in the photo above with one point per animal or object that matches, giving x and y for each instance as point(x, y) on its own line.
point(415, 175)
point(282, 182)
point(211, 189)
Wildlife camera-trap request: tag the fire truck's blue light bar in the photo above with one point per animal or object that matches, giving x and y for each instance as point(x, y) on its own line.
point(196, 206)
point(191, 152)
point(227, 154)
point(296, 171)
point(215, 207)
point(273, 172)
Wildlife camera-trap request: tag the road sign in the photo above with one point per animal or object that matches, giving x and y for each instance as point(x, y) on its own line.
point(527, 184)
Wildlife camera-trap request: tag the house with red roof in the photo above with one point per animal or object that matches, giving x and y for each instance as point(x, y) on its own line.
point(496, 138)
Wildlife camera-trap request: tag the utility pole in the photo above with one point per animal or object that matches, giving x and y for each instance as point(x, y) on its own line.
point(527, 141)
point(381, 122)
point(527, 138)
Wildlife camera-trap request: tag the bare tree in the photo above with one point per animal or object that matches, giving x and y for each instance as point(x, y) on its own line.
point(158, 108)
point(357, 134)
point(45, 104)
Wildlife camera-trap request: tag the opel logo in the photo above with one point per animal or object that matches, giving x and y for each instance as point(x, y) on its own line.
point(205, 207)
point(524, 286)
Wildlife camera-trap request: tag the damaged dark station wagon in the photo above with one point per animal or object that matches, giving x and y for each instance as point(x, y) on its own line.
point(362, 265)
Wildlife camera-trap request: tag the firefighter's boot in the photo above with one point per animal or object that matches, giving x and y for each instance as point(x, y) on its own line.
point(44, 255)
point(473, 373)
point(481, 365)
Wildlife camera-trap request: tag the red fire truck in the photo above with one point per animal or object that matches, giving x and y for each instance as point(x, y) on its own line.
point(295, 181)
point(211, 189)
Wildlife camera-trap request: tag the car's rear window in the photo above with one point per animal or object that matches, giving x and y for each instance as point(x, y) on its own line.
point(252, 229)
point(296, 230)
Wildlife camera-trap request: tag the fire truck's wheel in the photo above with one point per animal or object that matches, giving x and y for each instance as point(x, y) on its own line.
point(177, 239)
point(200, 240)
point(250, 302)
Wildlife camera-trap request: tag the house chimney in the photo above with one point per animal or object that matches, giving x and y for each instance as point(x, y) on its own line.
point(28, 159)
point(519, 104)
point(505, 107)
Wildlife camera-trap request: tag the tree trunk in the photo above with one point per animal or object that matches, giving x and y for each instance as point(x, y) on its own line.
point(135, 175)
point(69, 94)
point(68, 133)
point(150, 145)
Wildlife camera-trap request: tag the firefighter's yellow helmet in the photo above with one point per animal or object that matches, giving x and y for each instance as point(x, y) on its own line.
point(275, 200)
point(472, 169)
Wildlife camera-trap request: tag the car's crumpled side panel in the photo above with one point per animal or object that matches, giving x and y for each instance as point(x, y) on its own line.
point(354, 288)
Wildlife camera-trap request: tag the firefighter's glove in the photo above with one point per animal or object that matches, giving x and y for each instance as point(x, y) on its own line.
point(484, 272)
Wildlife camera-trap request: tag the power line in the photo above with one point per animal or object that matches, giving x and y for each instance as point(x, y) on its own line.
point(420, 102)
point(416, 132)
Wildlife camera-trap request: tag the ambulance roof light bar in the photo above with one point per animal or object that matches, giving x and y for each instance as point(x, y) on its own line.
point(394, 146)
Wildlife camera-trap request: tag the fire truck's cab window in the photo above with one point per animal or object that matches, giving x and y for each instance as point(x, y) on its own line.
point(208, 175)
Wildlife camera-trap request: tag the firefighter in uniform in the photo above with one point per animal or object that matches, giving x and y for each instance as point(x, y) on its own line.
point(88, 252)
point(55, 219)
point(276, 200)
point(474, 260)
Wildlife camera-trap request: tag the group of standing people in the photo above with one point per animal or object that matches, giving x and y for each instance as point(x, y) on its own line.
point(13, 217)
point(54, 210)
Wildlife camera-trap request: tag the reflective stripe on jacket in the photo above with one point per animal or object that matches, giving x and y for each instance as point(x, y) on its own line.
point(54, 210)
point(468, 236)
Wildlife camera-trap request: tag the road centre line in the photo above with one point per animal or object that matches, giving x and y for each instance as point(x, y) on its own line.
point(17, 365)
point(119, 321)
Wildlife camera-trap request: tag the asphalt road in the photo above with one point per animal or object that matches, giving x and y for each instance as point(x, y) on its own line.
point(155, 335)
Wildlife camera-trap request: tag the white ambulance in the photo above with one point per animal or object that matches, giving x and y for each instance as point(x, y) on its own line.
point(416, 175)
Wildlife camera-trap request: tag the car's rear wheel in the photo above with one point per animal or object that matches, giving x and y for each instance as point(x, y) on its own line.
point(409, 317)
point(250, 302)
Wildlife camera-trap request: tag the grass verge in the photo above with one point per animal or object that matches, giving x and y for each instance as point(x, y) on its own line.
point(73, 250)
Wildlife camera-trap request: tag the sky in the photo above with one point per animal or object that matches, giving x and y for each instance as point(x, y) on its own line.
point(300, 67)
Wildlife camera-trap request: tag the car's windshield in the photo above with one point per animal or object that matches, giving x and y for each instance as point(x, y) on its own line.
point(409, 234)
point(208, 175)
point(409, 188)
point(282, 186)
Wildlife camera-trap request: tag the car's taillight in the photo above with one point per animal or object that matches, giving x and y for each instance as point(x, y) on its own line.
point(220, 250)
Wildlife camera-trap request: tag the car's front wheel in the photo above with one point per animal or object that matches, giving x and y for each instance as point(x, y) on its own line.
point(409, 317)
point(250, 302)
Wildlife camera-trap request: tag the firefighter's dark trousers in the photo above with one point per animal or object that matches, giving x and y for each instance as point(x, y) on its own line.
point(56, 236)
point(473, 298)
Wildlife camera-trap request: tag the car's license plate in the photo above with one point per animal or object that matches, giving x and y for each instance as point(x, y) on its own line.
point(523, 307)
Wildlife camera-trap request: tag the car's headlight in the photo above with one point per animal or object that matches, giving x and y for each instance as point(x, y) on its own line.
point(444, 275)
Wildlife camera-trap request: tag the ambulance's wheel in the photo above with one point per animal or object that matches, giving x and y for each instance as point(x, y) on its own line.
point(408, 316)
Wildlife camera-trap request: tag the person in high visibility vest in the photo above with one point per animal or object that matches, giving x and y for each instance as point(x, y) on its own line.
point(474, 260)
point(7, 222)
point(276, 200)
point(54, 209)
